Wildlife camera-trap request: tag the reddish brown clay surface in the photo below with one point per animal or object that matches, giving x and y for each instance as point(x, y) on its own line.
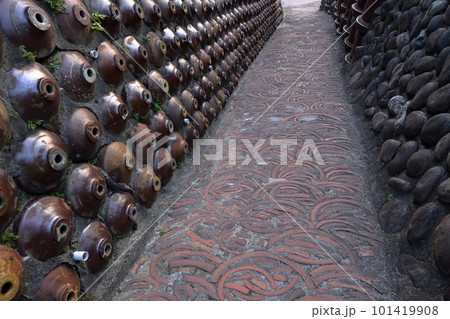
point(8, 200)
point(97, 241)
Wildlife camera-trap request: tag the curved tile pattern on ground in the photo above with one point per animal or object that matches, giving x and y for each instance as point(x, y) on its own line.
point(275, 232)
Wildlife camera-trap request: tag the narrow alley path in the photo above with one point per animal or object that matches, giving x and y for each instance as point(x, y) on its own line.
point(294, 231)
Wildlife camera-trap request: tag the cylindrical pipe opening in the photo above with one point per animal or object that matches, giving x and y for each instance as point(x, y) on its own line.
point(80, 255)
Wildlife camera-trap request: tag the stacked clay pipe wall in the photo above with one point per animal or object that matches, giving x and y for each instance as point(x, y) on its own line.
point(78, 80)
point(398, 63)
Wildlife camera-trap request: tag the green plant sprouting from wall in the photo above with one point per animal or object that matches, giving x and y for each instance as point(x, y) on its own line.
point(30, 56)
point(97, 21)
point(58, 6)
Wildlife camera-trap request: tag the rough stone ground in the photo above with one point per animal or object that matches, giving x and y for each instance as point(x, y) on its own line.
point(274, 231)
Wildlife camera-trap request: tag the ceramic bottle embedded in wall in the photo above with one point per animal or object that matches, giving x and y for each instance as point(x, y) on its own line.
point(60, 284)
point(113, 20)
point(16, 16)
point(75, 22)
point(152, 13)
point(173, 76)
point(83, 135)
point(43, 161)
point(4, 123)
point(177, 146)
point(163, 165)
point(156, 49)
point(115, 113)
point(44, 227)
point(132, 14)
point(146, 185)
point(189, 102)
point(110, 63)
point(137, 56)
point(76, 76)
point(86, 190)
point(189, 134)
point(8, 200)
point(160, 123)
point(121, 214)
point(33, 92)
point(158, 86)
point(12, 274)
point(137, 97)
point(117, 161)
point(175, 112)
point(96, 239)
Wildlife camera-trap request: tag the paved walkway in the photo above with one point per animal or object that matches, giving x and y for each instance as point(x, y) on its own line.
point(275, 232)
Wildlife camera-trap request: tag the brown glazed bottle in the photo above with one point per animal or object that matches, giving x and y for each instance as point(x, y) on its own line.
point(216, 104)
point(19, 16)
point(217, 28)
point(121, 214)
point(163, 165)
point(12, 274)
point(76, 76)
point(158, 86)
point(222, 96)
point(207, 86)
point(115, 113)
point(4, 123)
point(201, 123)
point(146, 185)
point(43, 161)
point(219, 51)
point(175, 112)
point(60, 284)
point(161, 124)
point(198, 66)
point(8, 200)
point(111, 23)
point(168, 10)
point(83, 135)
point(117, 161)
point(212, 54)
point(199, 9)
point(156, 49)
point(172, 42)
point(173, 76)
point(137, 97)
point(97, 241)
point(33, 92)
point(189, 133)
point(86, 190)
point(75, 23)
point(209, 30)
point(208, 111)
point(137, 57)
point(186, 70)
point(215, 80)
point(185, 39)
point(177, 146)
point(198, 93)
point(44, 228)
point(143, 140)
point(196, 37)
point(189, 102)
point(152, 13)
point(181, 11)
point(132, 14)
point(110, 63)
point(202, 30)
